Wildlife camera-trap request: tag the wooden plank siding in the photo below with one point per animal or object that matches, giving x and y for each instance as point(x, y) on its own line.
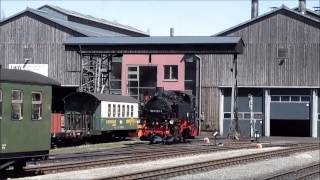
point(259, 65)
point(46, 39)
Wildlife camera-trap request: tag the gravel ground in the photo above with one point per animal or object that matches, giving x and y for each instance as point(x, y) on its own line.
point(116, 170)
point(257, 169)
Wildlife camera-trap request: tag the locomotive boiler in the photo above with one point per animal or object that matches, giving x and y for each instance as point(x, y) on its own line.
point(168, 117)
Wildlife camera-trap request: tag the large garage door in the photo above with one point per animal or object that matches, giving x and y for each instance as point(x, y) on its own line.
point(290, 115)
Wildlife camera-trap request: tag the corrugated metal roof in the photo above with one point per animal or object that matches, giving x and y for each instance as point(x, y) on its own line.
point(282, 8)
point(83, 29)
point(22, 76)
point(77, 27)
point(91, 18)
point(152, 40)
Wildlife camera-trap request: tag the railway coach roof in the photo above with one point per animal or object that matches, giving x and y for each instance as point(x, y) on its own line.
point(22, 76)
point(105, 97)
point(157, 44)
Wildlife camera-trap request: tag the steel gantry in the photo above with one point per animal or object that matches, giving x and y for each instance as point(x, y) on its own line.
point(95, 72)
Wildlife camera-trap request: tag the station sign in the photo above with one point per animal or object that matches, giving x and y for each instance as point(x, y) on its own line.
point(37, 68)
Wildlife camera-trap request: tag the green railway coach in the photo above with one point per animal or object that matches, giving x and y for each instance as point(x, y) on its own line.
point(92, 114)
point(25, 108)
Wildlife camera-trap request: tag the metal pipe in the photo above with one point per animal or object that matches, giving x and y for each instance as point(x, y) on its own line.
point(302, 6)
point(254, 8)
point(171, 32)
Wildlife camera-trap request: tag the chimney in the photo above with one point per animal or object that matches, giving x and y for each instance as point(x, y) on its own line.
point(302, 6)
point(254, 8)
point(171, 32)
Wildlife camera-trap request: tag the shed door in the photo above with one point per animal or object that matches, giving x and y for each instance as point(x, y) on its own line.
point(290, 115)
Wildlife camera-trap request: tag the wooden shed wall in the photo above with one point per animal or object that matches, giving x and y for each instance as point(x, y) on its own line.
point(46, 39)
point(259, 65)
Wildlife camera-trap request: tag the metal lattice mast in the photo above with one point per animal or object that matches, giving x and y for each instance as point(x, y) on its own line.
point(95, 72)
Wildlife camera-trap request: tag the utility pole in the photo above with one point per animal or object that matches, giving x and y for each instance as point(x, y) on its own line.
point(234, 130)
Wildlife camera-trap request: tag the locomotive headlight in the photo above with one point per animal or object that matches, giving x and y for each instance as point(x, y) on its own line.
point(171, 121)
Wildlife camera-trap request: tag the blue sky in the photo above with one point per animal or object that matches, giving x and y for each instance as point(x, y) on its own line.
point(187, 17)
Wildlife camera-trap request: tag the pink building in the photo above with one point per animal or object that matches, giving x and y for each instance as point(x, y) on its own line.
point(141, 74)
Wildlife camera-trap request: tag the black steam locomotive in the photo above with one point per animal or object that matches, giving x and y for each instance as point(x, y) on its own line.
point(168, 117)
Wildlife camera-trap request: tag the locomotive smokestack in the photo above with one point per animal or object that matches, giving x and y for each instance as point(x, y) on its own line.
point(302, 6)
point(171, 32)
point(254, 8)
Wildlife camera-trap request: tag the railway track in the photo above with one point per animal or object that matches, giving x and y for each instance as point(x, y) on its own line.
point(163, 173)
point(310, 171)
point(116, 160)
point(133, 151)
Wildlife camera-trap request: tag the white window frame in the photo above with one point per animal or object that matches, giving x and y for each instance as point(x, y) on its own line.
point(17, 102)
point(170, 73)
point(36, 102)
point(290, 100)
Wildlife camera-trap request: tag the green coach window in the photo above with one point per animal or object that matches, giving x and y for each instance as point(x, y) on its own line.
point(16, 104)
point(36, 108)
point(0, 104)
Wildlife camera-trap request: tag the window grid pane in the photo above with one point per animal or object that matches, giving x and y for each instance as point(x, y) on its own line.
point(36, 108)
point(131, 110)
point(16, 104)
point(123, 110)
point(128, 110)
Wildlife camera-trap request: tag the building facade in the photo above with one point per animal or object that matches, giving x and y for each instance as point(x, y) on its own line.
point(280, 68)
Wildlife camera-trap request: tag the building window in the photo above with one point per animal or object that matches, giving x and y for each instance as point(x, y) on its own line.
point(282, 53)
point(16, 104)
point(109, 110)
point(123, 110)
point(305, 98)
point(171, 72)
point(0, 104)
point(36, 106)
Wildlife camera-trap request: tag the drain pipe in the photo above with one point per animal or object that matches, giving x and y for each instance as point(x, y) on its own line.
point(200, 114)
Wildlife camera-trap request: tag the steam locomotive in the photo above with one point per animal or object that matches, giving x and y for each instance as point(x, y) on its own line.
point(168, 117)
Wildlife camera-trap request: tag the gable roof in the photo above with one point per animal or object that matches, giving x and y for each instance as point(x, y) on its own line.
point(93, 19)
point(83, 29)
point(270, 13)
point(22, 76)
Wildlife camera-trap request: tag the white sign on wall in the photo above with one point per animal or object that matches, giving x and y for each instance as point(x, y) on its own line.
point(37, 68)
